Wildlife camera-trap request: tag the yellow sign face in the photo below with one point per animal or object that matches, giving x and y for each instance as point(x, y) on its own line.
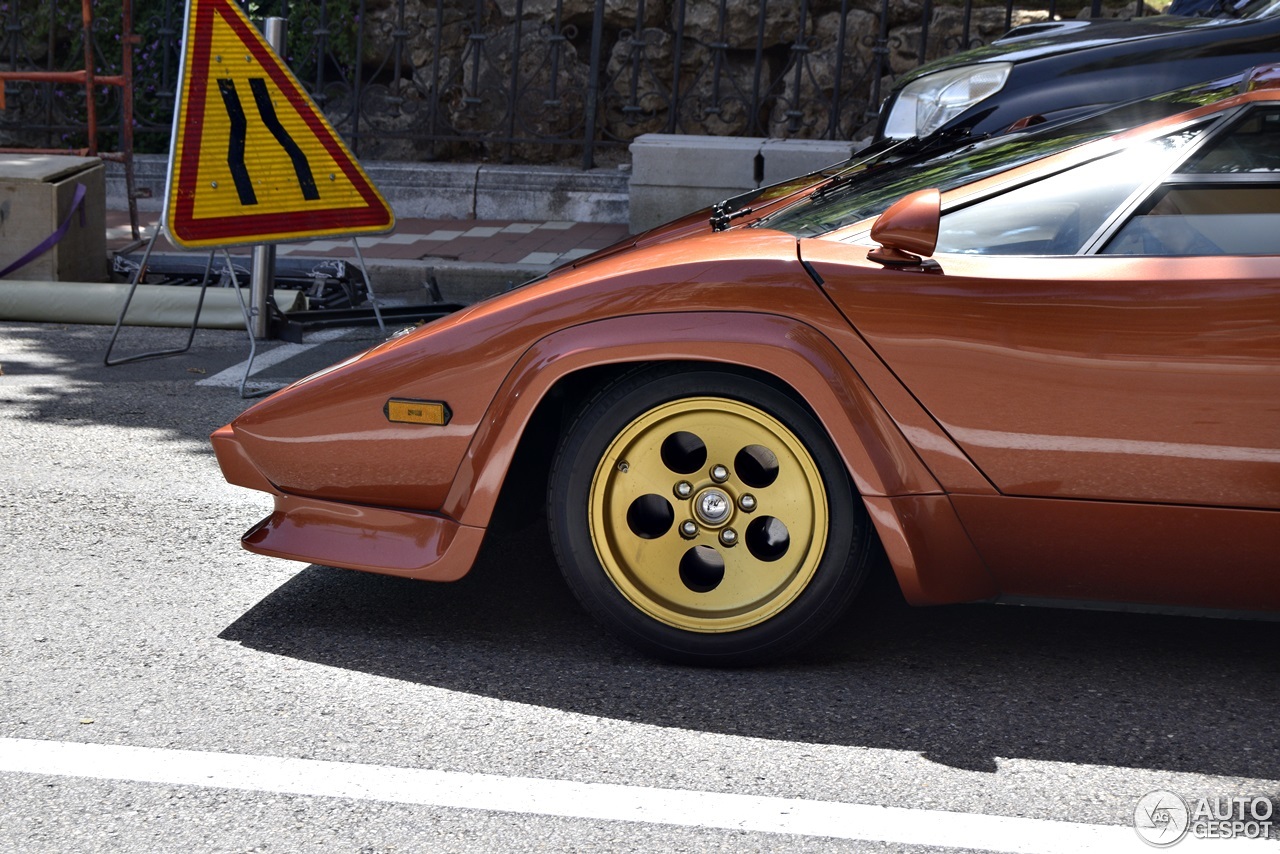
point(254, 160)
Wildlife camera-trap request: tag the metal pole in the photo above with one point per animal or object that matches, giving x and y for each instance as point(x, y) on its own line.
point(593, 87)
point(263, 273)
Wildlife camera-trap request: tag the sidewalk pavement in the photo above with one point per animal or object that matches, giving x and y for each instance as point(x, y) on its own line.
point(470, 259)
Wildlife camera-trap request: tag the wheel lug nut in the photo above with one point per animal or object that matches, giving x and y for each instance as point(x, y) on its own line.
point(719, 473)
point(684, 489)
point(688, 529)
point(747, 503)
point(728, 536)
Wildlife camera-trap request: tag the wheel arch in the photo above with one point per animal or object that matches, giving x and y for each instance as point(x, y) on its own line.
point(934, 563)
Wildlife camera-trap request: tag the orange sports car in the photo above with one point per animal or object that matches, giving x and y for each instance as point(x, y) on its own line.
point(1041, 367)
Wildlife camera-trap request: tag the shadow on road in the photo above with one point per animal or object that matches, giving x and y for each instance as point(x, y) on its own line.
point(51, 372)
point(960, 685)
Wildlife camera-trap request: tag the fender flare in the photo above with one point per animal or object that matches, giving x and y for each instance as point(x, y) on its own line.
point(881, 462)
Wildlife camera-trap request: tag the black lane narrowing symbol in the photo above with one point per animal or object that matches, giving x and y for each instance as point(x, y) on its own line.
point(239, 129)
point(267, 111)
point(235, 145)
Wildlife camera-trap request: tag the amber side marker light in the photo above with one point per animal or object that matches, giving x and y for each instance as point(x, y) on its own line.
point(418, 411)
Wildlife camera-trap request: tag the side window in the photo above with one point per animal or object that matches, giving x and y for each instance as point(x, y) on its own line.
point(1203, 219)
point(1058, 214)
point(1252, 146)
point(1223, 201)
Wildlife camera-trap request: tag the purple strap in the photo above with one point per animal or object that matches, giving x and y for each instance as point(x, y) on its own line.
point(77, 203)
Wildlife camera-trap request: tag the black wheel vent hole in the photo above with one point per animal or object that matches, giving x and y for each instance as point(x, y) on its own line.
point(756, 466)
point(767, 538)
point(650, 516)
point(683, 452)
point(702, 569)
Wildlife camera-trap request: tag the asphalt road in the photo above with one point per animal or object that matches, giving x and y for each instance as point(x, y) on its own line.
point(131, 618)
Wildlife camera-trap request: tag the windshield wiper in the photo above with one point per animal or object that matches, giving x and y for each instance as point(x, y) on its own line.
point(912, 148)
point(721, 215)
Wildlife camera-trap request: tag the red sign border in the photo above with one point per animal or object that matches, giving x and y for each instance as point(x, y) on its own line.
point(184, 227)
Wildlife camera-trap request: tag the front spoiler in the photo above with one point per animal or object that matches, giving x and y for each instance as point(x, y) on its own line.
point(371, 539)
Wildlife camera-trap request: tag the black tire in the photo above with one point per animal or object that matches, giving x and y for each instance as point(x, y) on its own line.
point(628, 473)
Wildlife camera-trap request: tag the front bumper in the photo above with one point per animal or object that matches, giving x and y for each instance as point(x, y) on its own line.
point(372, 539)
point(406, 543)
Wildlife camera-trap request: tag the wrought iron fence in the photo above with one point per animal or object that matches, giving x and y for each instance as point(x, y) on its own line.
point(519, 80)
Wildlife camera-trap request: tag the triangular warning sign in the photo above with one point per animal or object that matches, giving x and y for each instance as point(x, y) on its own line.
point(253, 159)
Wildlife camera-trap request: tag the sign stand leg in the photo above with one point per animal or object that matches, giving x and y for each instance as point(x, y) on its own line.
point(248, 327)
point(204, 286)
point(368, 281)
point(133, 287)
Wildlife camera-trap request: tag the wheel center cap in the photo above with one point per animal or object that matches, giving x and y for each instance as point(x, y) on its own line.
point(712, 507)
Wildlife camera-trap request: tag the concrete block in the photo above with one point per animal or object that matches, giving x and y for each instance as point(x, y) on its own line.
point(695, 161)
point(426, 190)
point(36, 195)
point(539, 193)
point(674, 174)
point(787, 158)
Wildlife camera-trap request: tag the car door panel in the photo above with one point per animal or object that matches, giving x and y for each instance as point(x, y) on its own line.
point(1146, 554)
point(1120, 379)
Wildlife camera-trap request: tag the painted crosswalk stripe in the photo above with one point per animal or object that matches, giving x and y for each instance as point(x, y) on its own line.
point(231, 376)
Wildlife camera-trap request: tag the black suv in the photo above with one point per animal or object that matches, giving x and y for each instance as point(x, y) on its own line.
point(1047, 71)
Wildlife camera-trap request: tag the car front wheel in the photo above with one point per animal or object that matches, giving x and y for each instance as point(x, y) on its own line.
point(705, 517)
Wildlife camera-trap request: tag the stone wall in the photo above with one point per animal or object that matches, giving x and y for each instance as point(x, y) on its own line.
point(534, 81)
point(512, 79)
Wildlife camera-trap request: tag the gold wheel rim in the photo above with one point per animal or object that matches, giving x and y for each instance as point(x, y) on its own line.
point(760, 524)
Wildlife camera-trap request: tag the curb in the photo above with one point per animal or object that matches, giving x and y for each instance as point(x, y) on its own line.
point(459, 191)
point(458, 281)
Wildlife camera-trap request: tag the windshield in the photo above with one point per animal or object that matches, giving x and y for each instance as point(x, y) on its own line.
point(867, 192)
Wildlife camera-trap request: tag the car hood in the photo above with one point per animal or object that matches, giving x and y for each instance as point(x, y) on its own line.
point(689, 225)
point(1034, 41)
point(338, 415)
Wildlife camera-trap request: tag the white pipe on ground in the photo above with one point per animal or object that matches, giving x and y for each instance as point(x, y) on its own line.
point(153, 305)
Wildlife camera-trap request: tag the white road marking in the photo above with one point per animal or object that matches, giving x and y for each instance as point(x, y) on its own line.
point(232, 375)
point(546, 797)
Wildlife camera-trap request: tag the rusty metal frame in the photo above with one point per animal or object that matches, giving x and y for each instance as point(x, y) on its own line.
point(89, 78)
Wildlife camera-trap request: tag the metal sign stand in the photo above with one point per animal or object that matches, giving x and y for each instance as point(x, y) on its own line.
point(264, 91)
point(368, 284)
point(248, 325)
point(133, 287)
point(254, 315)
point(195, 321)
